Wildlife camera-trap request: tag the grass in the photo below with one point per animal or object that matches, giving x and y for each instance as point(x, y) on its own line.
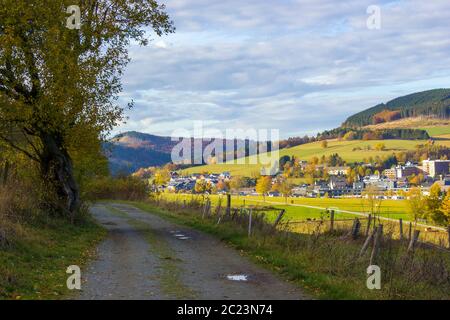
point(34, 266)
point(438, 131)
point(350, 151)
point(325, 266)
point(389, 208)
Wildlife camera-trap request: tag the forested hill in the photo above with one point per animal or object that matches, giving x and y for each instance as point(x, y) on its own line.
point(132, 150)
point(435, 103)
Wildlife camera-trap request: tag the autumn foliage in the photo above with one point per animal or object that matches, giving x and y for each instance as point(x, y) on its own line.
point(386, 116)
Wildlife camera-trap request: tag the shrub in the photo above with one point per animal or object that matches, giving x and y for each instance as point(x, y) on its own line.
point(127, 188)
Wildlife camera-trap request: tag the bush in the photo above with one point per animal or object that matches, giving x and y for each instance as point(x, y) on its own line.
point(18, 204)
point(128, 188)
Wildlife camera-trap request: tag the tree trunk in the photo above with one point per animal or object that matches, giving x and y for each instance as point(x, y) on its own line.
point(57, 169)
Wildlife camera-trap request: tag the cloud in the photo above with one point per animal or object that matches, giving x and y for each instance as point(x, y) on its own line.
point(300, 66)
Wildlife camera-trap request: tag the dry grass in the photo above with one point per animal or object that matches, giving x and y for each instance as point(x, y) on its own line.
point(411, 123)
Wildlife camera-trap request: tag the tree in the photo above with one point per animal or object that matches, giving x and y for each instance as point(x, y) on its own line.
point(380, 146)
point(223, 185)
point(59, 86)
point(416, 203)
point(433, 203)
point(445, 207)
point(263, 185)
point(285, 188)
point(324, 144)
point(202, 187)
point(236, 183)
point(372, 199)
point(351, 135)
point(162, 177)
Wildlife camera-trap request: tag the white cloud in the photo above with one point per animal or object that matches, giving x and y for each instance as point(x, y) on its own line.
point(300, 66)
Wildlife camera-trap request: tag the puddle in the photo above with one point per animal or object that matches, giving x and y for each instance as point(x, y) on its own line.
point(237, 277)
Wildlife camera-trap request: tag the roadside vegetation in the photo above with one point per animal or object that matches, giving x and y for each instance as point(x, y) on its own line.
point(37, 246)
point(58, 101)
point(326, 264)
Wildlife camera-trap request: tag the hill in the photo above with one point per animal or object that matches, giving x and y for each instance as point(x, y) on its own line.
point(130, 151)
point(350, 151)
point(435, 103)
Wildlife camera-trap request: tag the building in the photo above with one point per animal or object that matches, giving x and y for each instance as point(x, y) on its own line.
point(407, 170)
point(337, 182)
point(390, 173)
point(435, 168)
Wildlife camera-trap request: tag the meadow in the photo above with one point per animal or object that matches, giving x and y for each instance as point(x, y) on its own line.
point(394, 209)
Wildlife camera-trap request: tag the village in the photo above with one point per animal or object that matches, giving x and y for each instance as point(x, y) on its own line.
point(335, 183)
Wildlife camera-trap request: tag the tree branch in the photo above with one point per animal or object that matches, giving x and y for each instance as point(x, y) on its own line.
point(28, 154)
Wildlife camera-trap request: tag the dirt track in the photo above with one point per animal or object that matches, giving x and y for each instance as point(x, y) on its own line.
point(147, 257)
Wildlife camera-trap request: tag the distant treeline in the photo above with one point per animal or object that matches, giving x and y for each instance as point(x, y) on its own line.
point(357, 134)
point(367, 134)
point(435, 103)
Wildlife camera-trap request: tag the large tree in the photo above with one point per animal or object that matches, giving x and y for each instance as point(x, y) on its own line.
point(59, 85)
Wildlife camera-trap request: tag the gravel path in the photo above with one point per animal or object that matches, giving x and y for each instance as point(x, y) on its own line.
point(147, 257)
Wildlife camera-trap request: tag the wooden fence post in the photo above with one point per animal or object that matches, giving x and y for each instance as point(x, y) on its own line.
point(250, 223)
point(369, 221)
point(332, 220)
point(228, 211)
point(278, 219)
point(410, 231)
point(376, 244)
point(413, 241)
point(235, 211)
point(204, 209)
point(367, 242)
point(355, 228)
point(401, 228)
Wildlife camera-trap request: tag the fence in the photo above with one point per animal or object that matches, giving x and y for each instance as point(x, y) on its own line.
point(362, 226)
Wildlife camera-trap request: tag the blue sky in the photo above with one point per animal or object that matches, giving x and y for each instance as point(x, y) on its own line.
point(300, 66)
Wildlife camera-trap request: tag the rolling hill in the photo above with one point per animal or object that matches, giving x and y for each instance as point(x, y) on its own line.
point(130, 151)
point(350, 151)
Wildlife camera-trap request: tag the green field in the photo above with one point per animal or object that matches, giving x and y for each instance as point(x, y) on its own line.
point(307, 151)
point(389, 208)
point(437, 131)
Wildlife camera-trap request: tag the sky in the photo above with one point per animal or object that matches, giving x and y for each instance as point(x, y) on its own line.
point(299, 66)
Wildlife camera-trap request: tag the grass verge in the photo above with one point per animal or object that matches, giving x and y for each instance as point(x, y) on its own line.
point(34, 266)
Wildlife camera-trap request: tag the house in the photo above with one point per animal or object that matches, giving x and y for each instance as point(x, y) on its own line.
point(174, 175)
point(300, 191)
point(390, 173)
point(225, 175)
point(337, 182)
point(407, 170)
point(379, 182)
